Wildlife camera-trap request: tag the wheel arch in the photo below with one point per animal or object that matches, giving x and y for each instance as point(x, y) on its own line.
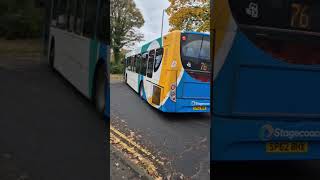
point(140, 85)
point(52, 42)
point(101, 63)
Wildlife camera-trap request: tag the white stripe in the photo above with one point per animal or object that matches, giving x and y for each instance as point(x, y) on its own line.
point(224, 50)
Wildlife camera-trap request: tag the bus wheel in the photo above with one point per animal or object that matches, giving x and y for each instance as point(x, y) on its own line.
point(125, 79)
point(51, 56)
point(141, 90)
point(99, 94)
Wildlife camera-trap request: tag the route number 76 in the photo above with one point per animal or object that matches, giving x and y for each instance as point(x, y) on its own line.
point(300, 16)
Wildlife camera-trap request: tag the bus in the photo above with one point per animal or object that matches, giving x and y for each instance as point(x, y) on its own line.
point(266, 80)
point(78, 46)
point(172, 73)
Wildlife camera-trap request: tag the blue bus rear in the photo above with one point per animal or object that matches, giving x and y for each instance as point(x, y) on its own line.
point(266, 90)
point(193, 91)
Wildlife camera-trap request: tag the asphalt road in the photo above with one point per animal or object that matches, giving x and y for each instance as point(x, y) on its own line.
point(183, 139)
point(49, 129)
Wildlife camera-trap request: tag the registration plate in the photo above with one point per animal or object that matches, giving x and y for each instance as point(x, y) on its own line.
point(199, 108)
point(287, 147)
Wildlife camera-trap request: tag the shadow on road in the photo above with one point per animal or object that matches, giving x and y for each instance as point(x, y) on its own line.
point(52, 130)
point(201, 117)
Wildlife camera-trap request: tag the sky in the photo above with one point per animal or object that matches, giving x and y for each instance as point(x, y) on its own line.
point(152, 13)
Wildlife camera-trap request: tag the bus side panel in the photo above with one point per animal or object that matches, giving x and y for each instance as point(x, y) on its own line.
point(132, 80)
point(73, 65)
point(172, 70)
point(156, 76)
point(98, 51)
point(168, 105)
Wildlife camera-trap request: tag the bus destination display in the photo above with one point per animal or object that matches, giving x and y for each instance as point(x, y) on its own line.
point(284, 14)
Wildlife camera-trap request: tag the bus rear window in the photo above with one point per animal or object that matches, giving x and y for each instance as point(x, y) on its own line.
point(195, 55)
point(293, 36)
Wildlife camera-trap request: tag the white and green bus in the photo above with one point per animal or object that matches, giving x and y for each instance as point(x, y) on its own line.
point(78, 45)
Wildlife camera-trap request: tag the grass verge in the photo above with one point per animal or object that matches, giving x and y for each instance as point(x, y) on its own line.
point(28, 47)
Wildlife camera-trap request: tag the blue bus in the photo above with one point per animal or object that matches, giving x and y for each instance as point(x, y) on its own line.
point(172, 73)
point(266, 80)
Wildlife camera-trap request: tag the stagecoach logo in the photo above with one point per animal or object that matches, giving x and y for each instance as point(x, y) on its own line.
point(267, 132)
point(195, 103)
point(253, 10)
point(173, 64)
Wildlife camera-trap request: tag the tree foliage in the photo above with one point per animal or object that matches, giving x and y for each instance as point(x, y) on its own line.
point(20, 19)
point(126, 18)
point(189, 15)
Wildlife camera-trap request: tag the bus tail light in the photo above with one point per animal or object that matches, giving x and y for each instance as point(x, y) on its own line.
point(184, 38)
point(173, 94)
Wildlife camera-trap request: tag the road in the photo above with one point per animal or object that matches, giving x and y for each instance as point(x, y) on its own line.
point(180, 140)
point(47, 128)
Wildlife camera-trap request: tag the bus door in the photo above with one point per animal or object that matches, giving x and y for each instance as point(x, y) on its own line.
point(266, 80)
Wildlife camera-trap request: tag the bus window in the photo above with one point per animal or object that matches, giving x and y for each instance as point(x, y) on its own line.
point(133, 62)
point(158, 59)
point(103, 22)
point(129, 63)
point(67, 14)
point(54, 13)
point(71, 15)
point(292, 39)
point(90, 19)
point(144, 64)
point(61, 15)
point(195, 56)
point(150, 63)
point(205, 48)
point(138, 63)
point(79, 17)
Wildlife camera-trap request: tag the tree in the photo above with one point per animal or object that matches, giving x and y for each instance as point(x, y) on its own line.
point(20, 19)
point(126, 18)
point(189, 15)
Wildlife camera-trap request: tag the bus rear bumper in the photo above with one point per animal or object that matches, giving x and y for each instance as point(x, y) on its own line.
point(238, 139)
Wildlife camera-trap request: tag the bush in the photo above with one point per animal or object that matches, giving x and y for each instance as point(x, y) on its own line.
point(116, 68)
point(20, 21)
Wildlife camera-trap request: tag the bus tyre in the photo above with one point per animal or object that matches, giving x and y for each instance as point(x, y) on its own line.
point(141, 90)
point(125, 79)
point(51, 56)
point(99, 94)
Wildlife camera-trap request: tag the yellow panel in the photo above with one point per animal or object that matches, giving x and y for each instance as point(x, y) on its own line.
point(170, 69)
point(221, 21)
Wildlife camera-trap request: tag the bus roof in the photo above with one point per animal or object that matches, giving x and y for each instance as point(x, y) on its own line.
point(199, 33)
point(159, 39)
